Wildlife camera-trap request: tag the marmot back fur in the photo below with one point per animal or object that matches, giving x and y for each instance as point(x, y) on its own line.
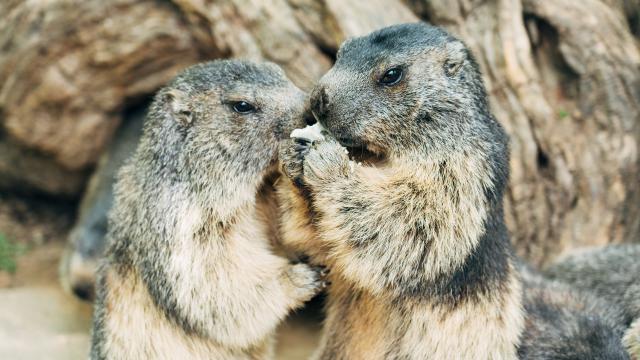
point(612, 272)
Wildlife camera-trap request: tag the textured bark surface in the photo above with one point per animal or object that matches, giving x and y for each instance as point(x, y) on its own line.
point(564, 80)
point(69, 67)
point(563, 75)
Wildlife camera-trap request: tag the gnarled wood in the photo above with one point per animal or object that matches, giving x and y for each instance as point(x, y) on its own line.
point(563, 77)
point(69, 67)
point(564, 83)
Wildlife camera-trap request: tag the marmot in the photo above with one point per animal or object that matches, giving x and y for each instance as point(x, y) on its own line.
point(189, 269)
point(422, 266)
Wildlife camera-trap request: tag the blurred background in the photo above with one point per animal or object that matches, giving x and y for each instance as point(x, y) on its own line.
point(76, 77)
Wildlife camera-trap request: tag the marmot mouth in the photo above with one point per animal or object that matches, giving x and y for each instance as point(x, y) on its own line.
point(360, 152)
point(363, 155)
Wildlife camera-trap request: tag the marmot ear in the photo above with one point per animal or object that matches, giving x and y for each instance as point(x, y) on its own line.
point(179, 107)
point(456, 55)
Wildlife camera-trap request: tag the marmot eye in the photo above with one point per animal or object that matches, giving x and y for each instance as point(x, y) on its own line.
point(391, 77)
point(450, 67)
point(243, 107)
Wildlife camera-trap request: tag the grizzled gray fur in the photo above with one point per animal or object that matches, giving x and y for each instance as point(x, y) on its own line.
point(612, 272)
point(569, 323)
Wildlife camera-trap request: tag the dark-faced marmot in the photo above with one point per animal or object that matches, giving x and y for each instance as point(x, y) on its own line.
point(422, 265)
point(189, 270)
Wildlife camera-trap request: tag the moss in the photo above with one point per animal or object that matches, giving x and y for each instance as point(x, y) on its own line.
point(8, 254)
point(563, 113)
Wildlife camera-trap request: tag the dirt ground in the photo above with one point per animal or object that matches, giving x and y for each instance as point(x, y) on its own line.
point(38, 320)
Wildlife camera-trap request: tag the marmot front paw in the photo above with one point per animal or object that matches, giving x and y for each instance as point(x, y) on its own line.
point(292, 153)
point(324, 160)
point(307, 280)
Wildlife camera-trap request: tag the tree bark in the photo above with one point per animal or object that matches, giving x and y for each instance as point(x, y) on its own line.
point(564, 81)
point(563, 77)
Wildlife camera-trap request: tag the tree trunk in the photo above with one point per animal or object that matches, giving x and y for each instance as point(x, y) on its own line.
point(563, 77)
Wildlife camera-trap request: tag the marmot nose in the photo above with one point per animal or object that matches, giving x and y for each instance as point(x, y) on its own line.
point(84, 290)
point(319, 103)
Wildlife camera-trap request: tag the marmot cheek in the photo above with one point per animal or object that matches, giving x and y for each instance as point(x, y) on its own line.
point(286, 126)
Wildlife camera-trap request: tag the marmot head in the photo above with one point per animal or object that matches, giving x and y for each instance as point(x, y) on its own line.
point(405, 87)
point(218, 124)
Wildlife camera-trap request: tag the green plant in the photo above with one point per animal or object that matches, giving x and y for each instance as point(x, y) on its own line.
point(563, 113)
point(8, 254)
